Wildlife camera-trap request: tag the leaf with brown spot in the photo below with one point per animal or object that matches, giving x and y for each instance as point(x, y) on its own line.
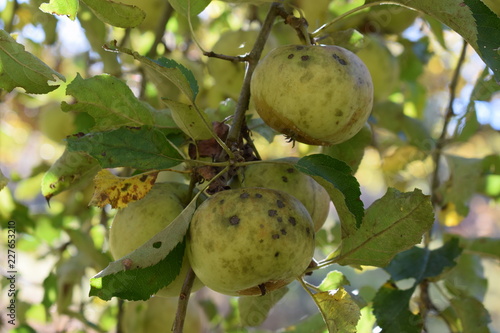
point(120, 191)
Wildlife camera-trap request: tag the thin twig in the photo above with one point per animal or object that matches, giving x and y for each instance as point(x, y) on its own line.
point(426, 303)
point(182, 304)
point(441, 142)
point(226, 57)
point(234, 135)
point(9, 26)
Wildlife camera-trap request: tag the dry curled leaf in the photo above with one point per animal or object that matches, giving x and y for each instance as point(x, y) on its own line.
point(120, 191)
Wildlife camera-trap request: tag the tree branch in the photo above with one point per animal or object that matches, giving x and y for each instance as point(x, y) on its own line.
point(180, 315)
point(234, 135)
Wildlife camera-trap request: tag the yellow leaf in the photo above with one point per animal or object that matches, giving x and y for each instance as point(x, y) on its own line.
point(120, 191)
point(449, 215)
point(339, 310)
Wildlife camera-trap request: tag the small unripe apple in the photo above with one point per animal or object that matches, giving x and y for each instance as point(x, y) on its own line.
point(140, 220)
point(318, 95)
point(250, 241)
point(382, 64)
point(282, 176)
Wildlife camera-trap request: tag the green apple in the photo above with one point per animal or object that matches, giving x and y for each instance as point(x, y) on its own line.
point(156, 315)
point(315, 94)
point(142, 219)
point(250, 241)
point(282, 176)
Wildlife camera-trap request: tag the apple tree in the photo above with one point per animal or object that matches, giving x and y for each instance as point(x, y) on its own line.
point(250, 166)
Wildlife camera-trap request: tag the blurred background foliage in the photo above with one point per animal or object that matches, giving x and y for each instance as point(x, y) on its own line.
point(412, 58)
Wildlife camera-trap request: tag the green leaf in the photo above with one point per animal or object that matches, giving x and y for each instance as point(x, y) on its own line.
point(352, 150)
point(472, 313)
point(420, 263)
point(391, 307)
point(67, 8)
point(149, 268)
point(143, 148)
point(254, 309)
point(339, 310)
point(70, 170)
point(189, 7)
point(472, 19)
point(19, 68)
point(189, 120)
point(116, 13)
point(467, 278)
point(333, 280)
point(3, 180)
point(169, 69)
point(392, 224)
point(98, 97)
point(336, 177)
point(484, 246)
point(462, 183)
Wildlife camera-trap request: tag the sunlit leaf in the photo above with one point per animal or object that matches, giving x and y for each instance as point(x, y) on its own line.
point(70, 170)
point(472, 19)
point(3, 180)
point(169, 69)
point(67, 8)
point(116, 13)
point(339, 310)
point(120, 191)
point(333, 280)
point(255, 309)
point(152, 266)
point(392, 224)
point(336, 177)
point(19, 68)
point(189, 120)
point(391, 307)
point(189, 7)
point(143, 148)
point(98, 97)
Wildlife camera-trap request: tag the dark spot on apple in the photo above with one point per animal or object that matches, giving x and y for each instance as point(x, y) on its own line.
point(292, 220)
point(291, 55)
point(284, 179)
point(157, 245)
point(244, 195)
point(339, 113)
point(290, 170)
point(308, 230)
point(261, 240)
point(261, 226)
point(280, 219)
point(299, 47)
point(276, 254)
point(280, 203)
point(276, 236)
point(283, 231)
point(339, 59)
point(272, 212)
point(258, 195)
point(304, 58)
point(221, 202)
point(234, 220)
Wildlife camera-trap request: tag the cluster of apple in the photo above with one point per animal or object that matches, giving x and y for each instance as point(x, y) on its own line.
point(260, 234)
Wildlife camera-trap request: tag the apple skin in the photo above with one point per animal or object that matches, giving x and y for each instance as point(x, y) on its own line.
point(318, 95)
point(140, 220)
point(250, 241)
point(282, 176)
point(157, 314)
